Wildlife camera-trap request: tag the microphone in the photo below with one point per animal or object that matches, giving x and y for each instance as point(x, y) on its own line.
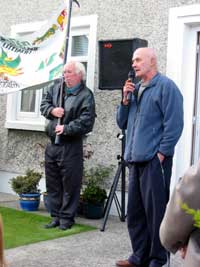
point(131, 77)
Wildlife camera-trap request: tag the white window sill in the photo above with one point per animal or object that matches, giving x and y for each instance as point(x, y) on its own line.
point(25, 125)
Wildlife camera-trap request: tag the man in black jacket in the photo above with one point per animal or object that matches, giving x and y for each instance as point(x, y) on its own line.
point(64, 162)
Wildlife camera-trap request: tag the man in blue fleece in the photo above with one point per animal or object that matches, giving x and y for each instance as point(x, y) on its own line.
point(153, 118)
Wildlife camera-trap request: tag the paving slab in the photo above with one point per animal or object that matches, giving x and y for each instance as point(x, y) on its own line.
point(89, 249)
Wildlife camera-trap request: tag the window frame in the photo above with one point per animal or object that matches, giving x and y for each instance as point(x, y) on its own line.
point(15, 119)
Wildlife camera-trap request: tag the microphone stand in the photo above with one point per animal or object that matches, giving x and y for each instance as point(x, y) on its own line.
point(57, 139)
point(121, 172)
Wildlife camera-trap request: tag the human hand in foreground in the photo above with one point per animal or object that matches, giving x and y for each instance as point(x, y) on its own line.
point(183, 252)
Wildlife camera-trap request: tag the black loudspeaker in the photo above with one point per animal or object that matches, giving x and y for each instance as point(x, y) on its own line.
point(115, 60)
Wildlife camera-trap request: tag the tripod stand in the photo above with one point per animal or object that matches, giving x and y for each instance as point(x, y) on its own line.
point(121, 171)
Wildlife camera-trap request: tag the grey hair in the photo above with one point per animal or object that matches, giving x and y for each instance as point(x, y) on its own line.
point(79, 68)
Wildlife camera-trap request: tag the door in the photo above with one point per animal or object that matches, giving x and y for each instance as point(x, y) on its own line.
point(195, 155)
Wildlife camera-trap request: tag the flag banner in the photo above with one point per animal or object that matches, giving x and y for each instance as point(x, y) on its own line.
point(36, 59)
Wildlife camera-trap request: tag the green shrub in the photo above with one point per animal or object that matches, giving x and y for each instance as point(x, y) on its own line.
point(94, 178)
point(195, 214)
point(94, 194)
point(26, 183)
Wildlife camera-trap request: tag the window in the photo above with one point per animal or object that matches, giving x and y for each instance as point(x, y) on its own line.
point(23, 108)
point(79, 45)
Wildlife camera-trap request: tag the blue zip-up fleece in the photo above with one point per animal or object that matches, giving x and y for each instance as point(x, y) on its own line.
point(154, 123)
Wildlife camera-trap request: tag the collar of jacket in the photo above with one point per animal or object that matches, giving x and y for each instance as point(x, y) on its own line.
point(72, 90)
point(152, 82)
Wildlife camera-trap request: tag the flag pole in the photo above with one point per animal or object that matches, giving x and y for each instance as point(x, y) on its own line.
point(57, 139)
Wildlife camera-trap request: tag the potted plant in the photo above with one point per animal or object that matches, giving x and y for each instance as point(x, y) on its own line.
point(26, 186)
point(94, 193)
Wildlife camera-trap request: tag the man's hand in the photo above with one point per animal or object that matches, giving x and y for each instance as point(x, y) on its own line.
point(160, 156)
point(57, 112)
point(183, 252)
point(59, 129)
point(129, 87)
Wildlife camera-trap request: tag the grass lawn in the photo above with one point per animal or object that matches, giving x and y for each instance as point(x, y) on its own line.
point(22, 228)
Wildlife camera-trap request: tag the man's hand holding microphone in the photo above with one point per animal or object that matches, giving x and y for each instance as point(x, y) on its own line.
point(128, 88)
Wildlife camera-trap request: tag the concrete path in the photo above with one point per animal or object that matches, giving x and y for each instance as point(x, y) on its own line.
point(90, 249)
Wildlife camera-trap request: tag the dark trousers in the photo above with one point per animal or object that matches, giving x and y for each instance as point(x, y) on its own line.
point(147, 198)
point(64, 171)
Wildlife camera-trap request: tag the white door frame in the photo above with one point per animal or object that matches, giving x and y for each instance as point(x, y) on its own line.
point(184, 23)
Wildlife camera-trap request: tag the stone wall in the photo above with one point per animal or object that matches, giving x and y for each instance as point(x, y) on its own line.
point(117, 19)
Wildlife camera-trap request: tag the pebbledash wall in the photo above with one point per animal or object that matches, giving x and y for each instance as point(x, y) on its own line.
point(116, 19)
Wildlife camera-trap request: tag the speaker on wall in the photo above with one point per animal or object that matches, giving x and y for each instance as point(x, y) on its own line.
point(115, 61)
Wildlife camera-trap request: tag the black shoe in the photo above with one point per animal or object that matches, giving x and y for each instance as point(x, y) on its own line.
point(52, 224)
point(65, 226)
